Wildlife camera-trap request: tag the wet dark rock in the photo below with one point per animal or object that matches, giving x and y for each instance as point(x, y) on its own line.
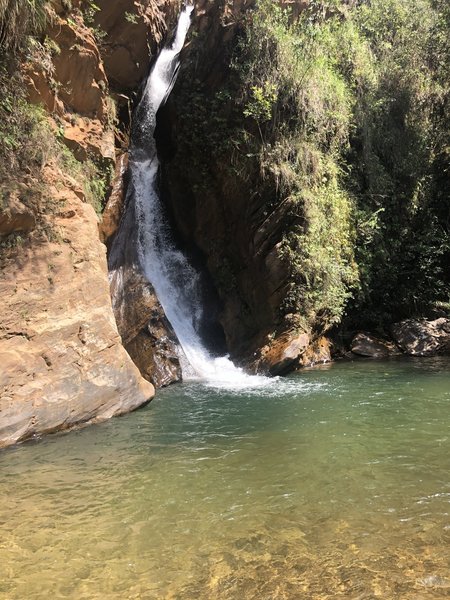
point(420, 337)
point(146, 333)
point(366, 344)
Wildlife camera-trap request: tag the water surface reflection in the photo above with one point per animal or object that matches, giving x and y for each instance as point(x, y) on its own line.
point(334, 483)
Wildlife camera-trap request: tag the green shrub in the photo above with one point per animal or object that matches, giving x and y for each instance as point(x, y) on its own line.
point(19, 18)
point(394, 150)
point(358, 120)
point(297, 94)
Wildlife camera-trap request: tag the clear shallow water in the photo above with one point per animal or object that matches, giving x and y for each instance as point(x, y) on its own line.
point(334, 483)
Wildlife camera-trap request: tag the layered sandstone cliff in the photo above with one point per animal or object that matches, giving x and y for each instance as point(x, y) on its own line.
point(62, 361)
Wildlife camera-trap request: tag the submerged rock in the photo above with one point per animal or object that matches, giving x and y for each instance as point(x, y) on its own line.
point(435, 581)
point(420, 337)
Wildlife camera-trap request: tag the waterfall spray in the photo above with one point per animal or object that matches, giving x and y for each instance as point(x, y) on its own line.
point(176, 282)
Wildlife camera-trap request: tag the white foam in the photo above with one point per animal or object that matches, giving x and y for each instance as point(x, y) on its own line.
point(176, 282)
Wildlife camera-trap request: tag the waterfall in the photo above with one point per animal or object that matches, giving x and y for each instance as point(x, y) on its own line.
point(176, 282)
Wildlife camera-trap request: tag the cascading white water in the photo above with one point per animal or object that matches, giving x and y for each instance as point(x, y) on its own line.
point(176, 282)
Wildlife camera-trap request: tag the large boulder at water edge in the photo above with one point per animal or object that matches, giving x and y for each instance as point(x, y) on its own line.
point(419, 337)
point(365, 344)
point(291, 350)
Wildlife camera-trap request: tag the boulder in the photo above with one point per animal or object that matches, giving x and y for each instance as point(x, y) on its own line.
point(146, 333)
point(366, 344)
point(420, 337)
point(317, 353)
point(283, 353)
point(291, 350)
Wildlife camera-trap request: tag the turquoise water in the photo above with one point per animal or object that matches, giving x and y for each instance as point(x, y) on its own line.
point(333, 483)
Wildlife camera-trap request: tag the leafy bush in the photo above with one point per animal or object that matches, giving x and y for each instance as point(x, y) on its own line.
point(18, 18)
point(393, 153)
point(356, 126)
point(302, 104)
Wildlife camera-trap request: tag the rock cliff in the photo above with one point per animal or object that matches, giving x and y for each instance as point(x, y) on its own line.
point(63, 362)
point(229, 213)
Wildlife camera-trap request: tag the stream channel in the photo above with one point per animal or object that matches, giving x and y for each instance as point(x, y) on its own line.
point(331, 483)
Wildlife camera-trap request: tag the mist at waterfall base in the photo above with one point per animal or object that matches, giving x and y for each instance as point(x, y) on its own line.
point(177, 284)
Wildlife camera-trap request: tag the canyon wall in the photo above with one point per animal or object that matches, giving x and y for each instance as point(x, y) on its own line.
point(224, 209)
point(312, 208)
point(303, 204)
point(63, 362)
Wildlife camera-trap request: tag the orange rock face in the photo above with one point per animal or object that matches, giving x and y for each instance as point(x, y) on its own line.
point(16, 217)
point(132, 27)
point(89, 138)
point(78, 69)
point(365, 344)
point(62, 360)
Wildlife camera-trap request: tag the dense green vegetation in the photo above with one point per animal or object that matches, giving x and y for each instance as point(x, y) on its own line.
point(28, 140)
point(343, 113)
point(398, 137)
point(295, 92)
point(18, 18)
point(351, 106)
